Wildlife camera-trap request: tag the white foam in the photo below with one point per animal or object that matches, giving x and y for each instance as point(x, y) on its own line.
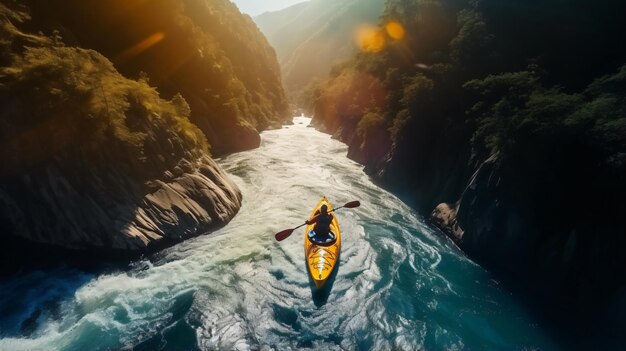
point(246, 291)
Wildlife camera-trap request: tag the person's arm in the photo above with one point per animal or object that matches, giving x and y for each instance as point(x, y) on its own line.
point(313, 220)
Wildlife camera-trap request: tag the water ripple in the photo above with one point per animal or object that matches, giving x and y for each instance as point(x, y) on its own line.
point(399, 285)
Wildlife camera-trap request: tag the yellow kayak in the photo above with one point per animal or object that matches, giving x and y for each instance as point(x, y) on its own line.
point(321, 258)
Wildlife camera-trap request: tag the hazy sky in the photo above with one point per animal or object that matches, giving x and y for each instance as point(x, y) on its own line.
point(257, 7)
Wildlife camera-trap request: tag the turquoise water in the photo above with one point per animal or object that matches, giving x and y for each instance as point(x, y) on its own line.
point(400, 284)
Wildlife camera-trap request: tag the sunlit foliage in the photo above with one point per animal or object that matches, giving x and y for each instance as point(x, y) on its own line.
point(71, 105)
point(63, 100)
point(205, 50)
point(348, 97)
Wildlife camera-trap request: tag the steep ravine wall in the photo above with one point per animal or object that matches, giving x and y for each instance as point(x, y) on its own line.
point(83, 208)
point(565, 268)
point(207, 51)
point(575, 265)
point(475, 118)
point(92, 161)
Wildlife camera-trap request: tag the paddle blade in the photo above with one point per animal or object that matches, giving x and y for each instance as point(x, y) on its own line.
point(352, 204)
point(282, 235)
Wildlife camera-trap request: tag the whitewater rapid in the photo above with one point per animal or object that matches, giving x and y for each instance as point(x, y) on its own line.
point(399, 285)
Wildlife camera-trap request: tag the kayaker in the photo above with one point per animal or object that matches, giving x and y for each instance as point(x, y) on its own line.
point(322, 222)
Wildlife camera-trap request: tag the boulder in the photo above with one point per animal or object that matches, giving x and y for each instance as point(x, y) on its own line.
point(52, 208)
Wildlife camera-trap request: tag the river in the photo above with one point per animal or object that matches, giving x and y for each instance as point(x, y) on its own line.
point(400, 284)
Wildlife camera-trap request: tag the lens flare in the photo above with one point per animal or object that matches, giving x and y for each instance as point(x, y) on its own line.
point(370, 38)
point(395, 30)
point(140, 47)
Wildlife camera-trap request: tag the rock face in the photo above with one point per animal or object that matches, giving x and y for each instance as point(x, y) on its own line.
point(108, 211)
point(473, 113)
point(498, 221)
point(444, 217)
point(94, 161)
point(187, 205)
point(571, 271)
point(487, 221)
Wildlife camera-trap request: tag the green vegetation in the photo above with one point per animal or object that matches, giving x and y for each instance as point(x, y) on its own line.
point(516, 112)
point(575, 143)
point(348, 97)
point(370, 122)
point(62, 100)
point(61, 97)
point(467, 78)
point(204, 50)
point(536, 88)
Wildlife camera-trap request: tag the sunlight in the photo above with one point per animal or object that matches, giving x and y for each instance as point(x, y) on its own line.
point(395, 30)
point(369, 38)
point(140, 47)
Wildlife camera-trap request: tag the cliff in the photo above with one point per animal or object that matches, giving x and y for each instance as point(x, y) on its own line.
point(495, 115)
point(207, 51)
point(92, 160)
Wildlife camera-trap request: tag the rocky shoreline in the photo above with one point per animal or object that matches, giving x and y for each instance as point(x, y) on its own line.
point(99, 164)
point(562, 268)
point(194, 199)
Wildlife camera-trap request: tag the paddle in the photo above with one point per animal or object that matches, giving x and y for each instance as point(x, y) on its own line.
point(282, 235)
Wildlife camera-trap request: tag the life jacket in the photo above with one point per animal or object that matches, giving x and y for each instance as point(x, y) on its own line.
point(323, 224)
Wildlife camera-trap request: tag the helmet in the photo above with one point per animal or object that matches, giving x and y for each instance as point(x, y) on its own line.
point(324, 208)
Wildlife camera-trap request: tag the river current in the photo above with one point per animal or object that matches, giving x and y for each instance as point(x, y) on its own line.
point(400, 284)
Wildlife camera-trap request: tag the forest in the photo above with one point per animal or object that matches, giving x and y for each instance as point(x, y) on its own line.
point(228, 77)
point(156, 159)
point(509, 114)
point(111, 114)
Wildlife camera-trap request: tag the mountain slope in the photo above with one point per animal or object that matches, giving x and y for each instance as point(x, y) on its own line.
point(507, 116)
point(285, 27)
point(207, 51)
point(311, 37)
point(95, 161)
